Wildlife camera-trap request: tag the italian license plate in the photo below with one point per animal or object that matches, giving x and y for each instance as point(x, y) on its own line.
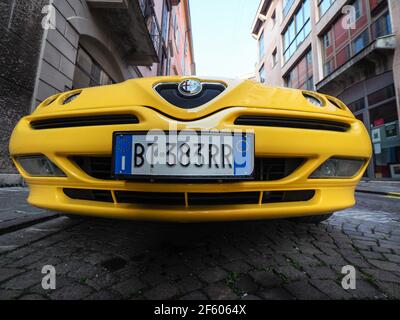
point(187, 155)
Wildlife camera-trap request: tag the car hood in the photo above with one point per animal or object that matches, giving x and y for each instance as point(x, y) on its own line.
point(238, 93)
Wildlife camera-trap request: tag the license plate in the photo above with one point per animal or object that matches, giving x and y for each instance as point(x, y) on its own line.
point(187, 155)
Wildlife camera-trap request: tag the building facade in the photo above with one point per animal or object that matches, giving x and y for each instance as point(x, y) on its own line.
point(51, 46)
point(346, 48)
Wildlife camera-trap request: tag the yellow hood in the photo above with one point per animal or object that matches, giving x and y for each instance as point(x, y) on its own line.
point(239, 93)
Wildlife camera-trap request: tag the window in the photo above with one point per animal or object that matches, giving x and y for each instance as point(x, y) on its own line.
point(178, 38)
point(357, 105)
point(262, 74)
point(168, 67)
point(297, 31)
point(309, 84)
point(328, 67)
point(183, 65)
point(177, 33)
point(382, 26)
point(343, 55)
point(301, 75)
point(324, 5)
point(360, 42)
point(261, 46)
point(358, 7)
point(287, 4)
point(274, 58)
point(341, 44)
point(374, 4)
point(88, 72)
point(184, 56)
point(327, 39)
point(186, 50)
point(165, 22)
point(380, 95)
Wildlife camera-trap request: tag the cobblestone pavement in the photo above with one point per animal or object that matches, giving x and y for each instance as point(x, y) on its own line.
point(106, 259)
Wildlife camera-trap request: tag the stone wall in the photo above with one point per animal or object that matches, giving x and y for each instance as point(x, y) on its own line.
point(20, 44)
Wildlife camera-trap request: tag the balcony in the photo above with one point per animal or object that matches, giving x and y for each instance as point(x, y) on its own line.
point(365, 62)
point(133, 27)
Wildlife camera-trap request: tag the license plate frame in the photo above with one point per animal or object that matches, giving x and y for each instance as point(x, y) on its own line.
point(174, 178)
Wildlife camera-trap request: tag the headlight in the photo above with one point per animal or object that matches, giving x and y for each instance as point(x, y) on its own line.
point(338, 168)
point(313, 100)
point(39, 166)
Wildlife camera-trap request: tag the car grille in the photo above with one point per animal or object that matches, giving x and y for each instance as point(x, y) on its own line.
point(193, 199)
point(96, 167)
point(300, 123)
point(70, 122)
point(266, 169)
point(90, 195)
point(170, 92)
point(287, 196)
point(148, 198)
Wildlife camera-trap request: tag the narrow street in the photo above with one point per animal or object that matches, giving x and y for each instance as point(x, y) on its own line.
point(107, 259)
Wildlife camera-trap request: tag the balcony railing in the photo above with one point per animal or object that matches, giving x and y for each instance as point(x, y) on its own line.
point(149, 15)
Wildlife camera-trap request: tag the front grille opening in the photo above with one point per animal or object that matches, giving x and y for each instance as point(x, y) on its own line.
point(215, 199)
point(170, 92)
point(313, 124)
point(272, 169)
point(96, 167)
point(150, 198)
point(84, 121)
point(266, 169)
point(89, 195)
point(288, 196)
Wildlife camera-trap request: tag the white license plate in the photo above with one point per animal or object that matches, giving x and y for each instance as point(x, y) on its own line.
point(189, 155)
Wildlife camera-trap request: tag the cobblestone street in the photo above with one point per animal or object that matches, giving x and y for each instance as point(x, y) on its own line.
point(106, 259)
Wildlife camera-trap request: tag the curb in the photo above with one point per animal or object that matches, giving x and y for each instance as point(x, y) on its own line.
point(390, 194)
point(17, 224)
point(11, 180)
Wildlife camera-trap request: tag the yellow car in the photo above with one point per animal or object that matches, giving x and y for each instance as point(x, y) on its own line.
point(185, 149)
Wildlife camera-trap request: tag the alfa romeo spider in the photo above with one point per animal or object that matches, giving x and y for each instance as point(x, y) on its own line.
point(186, 149)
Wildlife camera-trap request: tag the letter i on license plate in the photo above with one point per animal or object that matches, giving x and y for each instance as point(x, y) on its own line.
point(189, 155)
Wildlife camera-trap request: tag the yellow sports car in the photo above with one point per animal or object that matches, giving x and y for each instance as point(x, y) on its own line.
point(188, 150)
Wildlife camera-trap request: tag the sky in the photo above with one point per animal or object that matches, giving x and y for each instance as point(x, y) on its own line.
point(223, 45)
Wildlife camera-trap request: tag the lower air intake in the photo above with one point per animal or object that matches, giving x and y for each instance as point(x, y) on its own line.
point(152, 199)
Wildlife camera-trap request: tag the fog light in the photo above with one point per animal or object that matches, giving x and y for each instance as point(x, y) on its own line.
point(338, 168)
point(39, 166)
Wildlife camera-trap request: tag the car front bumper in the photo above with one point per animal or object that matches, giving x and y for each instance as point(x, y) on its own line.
point(315, 146)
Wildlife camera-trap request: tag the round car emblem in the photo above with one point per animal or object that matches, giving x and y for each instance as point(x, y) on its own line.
point(190, 87)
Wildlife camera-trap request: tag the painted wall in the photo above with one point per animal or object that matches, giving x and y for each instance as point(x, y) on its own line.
point(180, 34)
